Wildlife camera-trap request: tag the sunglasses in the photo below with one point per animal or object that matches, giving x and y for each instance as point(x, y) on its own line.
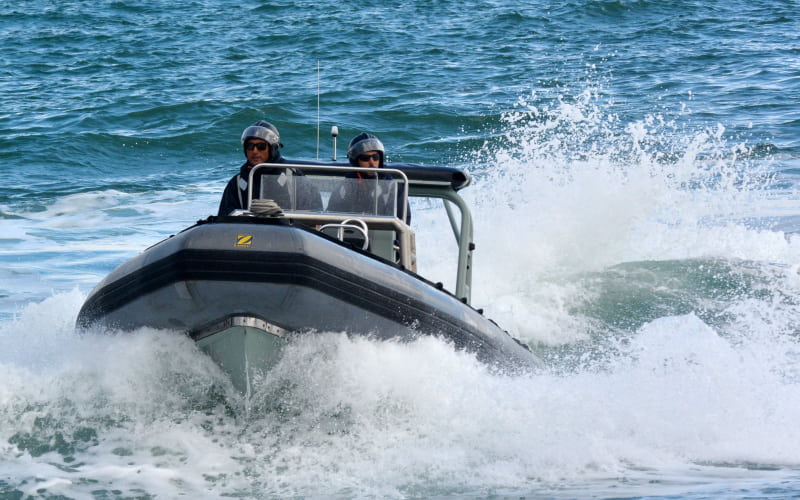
point(261, 146)
point(373, 156)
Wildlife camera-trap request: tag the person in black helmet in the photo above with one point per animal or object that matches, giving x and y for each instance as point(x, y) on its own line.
point(366, 151)
point(262, 142)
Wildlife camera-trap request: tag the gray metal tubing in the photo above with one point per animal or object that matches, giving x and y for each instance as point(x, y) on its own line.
point(463, 237)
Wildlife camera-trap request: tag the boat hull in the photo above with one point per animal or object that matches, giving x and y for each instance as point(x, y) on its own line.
point(292, 280)
point(243, 346)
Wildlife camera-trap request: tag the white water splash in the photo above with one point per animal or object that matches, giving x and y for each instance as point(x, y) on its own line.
point(341, 415)
point(568, 192)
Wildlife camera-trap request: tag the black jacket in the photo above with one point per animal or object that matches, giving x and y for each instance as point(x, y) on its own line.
point(235, 194)
point(358, 197)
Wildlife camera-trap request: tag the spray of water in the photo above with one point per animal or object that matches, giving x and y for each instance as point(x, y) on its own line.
point(570, 190)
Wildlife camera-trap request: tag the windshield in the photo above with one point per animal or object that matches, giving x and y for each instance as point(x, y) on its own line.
point(332, 191)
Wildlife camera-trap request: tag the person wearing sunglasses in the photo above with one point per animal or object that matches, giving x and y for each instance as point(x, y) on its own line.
point(365, 151)
point(261, 143)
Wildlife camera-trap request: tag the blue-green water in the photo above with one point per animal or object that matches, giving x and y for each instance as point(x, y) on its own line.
point(636, 171)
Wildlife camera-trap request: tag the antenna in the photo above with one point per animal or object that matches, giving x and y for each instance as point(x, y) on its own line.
point(317, 109)
point(334, 134)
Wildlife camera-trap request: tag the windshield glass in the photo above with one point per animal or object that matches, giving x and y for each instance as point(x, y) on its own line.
point(334, 192)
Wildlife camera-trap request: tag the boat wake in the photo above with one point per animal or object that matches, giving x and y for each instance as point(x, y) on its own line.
point(149, 411)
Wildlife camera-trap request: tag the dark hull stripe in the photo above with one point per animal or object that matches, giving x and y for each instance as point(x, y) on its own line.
point(278, 268)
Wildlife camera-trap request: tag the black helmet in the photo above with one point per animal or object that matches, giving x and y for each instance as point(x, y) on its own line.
point(362, 143)
point(267, 132)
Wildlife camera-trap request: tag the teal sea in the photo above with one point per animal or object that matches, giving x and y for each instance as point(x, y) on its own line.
point(636, 171)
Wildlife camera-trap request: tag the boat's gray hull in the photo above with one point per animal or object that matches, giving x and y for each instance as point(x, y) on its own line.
point(292, 278)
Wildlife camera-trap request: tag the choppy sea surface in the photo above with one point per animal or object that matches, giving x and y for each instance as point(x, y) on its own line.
point(636, 169)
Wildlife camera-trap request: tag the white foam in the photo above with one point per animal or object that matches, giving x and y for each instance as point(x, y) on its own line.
point(568, 193)
point(346, 414)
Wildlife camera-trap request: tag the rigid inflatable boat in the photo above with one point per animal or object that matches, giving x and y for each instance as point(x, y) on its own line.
point(320, 248)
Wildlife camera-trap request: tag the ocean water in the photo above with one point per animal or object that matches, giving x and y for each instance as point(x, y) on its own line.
point(636, 171)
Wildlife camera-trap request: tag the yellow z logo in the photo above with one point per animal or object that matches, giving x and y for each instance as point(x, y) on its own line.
point(244, 240)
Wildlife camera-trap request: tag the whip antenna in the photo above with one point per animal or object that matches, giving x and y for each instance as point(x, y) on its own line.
point(317, 109)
